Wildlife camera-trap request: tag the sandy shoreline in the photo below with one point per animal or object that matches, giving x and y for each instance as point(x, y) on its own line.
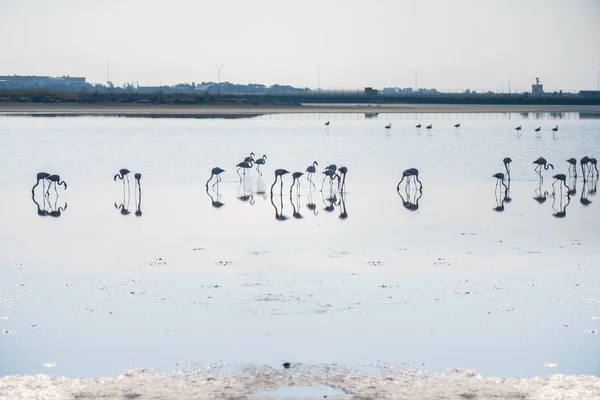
point(236, 111)
point(211, 384)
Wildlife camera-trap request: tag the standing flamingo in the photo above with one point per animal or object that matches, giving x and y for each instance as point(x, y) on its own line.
point(408, 173)
point(327, 123)
point(259, 162)
point(500, 178)
point(456, 126)
point(245, 165)
point(311, 169)
point(343, 171)
point(572, 165)
point(216, 171)
point(593, 163)
point(518, 129)
point(537, 131)
point(279, 174)
point(428, 127)
point(584, 161)
point(507, 161)
point(41, 176)
point(296, 178)
point(541, 162)
point(418, 126)
point(563, 179)
point(56, 180)
point(122, 175)
point(329, 173)
point(554, 130)
point(388, 126)
point(250, 158)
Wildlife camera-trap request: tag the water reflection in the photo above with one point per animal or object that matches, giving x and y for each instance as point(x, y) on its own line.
point(138, 195)
point(342, 204)
point(279, 212)
point(296, 207)
point(48, 208)
point(411, 201)
point(310, 204)
point(243, 194)
point(561, 212)
point(500, 200)
point(332, 200)
point(215, 203)
point(540, 195)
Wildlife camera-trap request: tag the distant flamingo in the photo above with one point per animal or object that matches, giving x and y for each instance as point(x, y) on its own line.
point(311, 169)
point(216, 171)
point(563, 179)
point(593, 163)
point(138, 207)
point(428, 127)
point(507, 161)
point(408, 173)
point(541, 162)
point(418, 126)
point(500, 179)
point(572, 165)
point(584, 161)
point(554, 130)
point(518, 129)
point(122, 175)
point(327, 123)
point(537, 131)
point(279, 174)
point(245, 165)
point(456, 126)
point(343, 171)
point(259, 162)
point(329, 173)
point(56, 180)
point(388, 126)
point(296, 178)
point(41, 176)
point(250, 158)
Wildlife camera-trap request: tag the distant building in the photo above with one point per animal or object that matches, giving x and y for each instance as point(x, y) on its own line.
point(537, 87)
point(369, 91)
point(68, 83)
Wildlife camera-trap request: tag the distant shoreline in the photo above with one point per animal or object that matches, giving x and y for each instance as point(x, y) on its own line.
point(240, 111)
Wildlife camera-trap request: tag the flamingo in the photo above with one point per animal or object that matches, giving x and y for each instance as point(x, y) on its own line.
point(215, 203)
point(541, 162)
point(518, 129)
point(244, 164)
point(418, 126)
point(428, 127)
point(593, 163)
point(537, 131)
point(56, 180)
point(572, 165)
point(563, 179)
point(388, 126)
point(296, 177)
point(500, 178)
point(554, 130)
point(584, 161)
point(279, 174)
point(216, 171)
point(259, 162)
point(329, 172)
point(507, 161)
point(250, 158)
point(327, 123)
point(407, 173)
point(138, 208)
point(311, 169)
point(332, 167)
point(122, 175)
point(343, 171)
point(456, 126)
point(41, 176)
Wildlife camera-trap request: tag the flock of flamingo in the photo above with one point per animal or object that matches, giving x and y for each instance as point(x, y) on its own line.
point(332, 173)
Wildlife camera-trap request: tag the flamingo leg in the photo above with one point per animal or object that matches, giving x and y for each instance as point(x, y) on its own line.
point(323, 183)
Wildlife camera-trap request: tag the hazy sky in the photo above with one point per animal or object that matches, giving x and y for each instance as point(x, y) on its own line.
point(456, 44)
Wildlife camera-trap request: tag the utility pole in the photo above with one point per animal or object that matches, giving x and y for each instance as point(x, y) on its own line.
point(509, 81)
point(598, 81)
point(218, 72)
point(319, 77)
point(416, 70)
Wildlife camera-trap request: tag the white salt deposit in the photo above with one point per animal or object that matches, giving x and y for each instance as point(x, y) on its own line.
point(388, 384)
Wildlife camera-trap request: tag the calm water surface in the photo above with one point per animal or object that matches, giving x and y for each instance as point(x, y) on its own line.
point(362, 278)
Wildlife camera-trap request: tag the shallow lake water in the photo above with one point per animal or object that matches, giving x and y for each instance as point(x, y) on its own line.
point(469, 279)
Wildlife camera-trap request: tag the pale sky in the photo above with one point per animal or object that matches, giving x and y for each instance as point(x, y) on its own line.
point(456, 44)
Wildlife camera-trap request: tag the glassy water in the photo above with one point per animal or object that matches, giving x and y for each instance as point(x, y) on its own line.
point(94, 281)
